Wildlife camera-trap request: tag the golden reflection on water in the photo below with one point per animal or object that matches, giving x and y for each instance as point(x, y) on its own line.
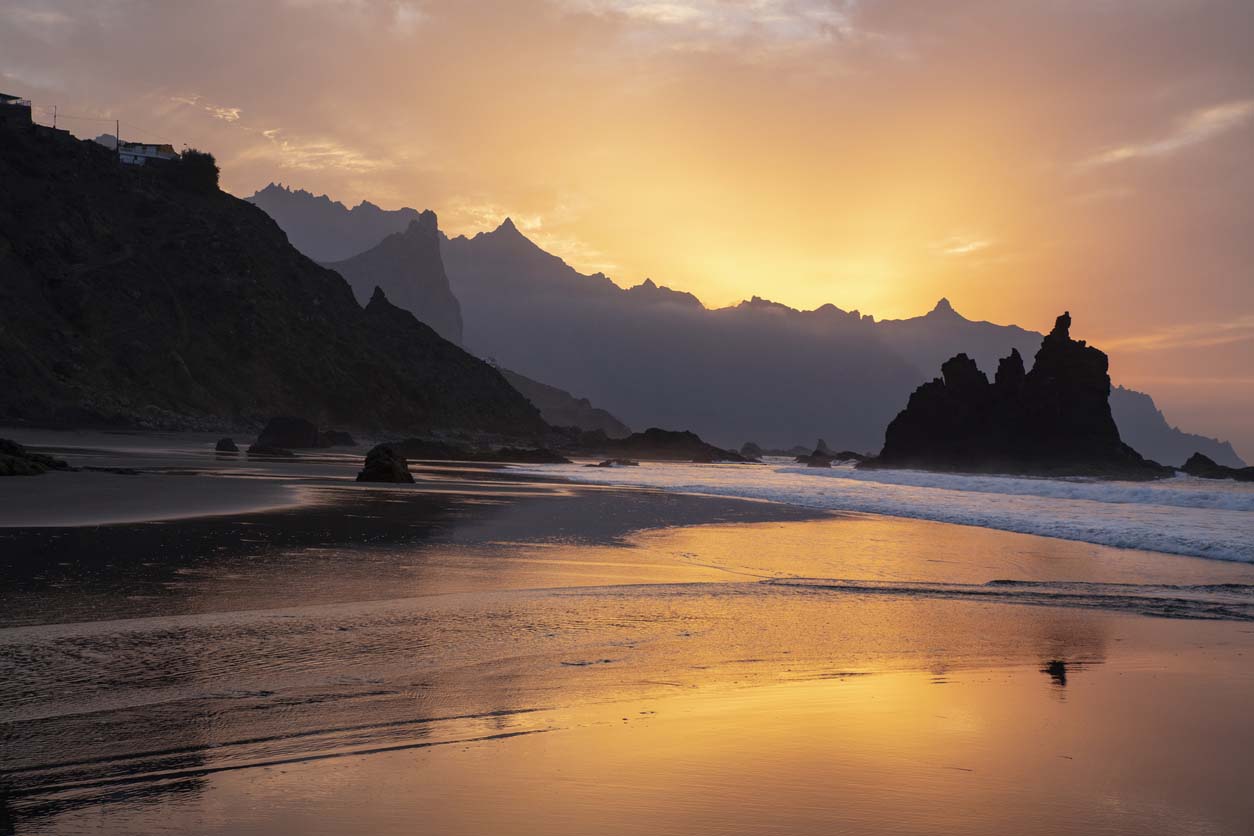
point(666, 687)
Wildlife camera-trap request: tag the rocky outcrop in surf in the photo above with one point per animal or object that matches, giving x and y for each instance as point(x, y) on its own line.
point(1052, 420)
point(1205, 467)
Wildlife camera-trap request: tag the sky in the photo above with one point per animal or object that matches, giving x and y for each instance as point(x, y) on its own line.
point(1019, 158)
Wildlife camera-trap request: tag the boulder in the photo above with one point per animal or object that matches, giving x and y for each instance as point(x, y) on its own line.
point(16, 460)
point(226, 445)
point(383, 464)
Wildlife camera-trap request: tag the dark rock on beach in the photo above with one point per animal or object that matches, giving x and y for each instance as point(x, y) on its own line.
point(226, 445)
point(1205, 467)
point(383, 464)
point(16, 460)
point(1054, 420)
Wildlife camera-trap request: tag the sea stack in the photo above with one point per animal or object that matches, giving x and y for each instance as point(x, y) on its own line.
point(1052, 420)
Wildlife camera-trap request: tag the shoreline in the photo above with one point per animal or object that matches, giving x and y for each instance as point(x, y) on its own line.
point(490, 632)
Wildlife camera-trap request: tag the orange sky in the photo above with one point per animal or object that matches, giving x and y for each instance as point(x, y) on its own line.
point(1019, 158)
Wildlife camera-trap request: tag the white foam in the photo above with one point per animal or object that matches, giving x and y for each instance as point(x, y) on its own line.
point(1205, 518)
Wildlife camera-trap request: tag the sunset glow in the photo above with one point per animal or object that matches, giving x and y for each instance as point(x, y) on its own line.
point(1018, 158)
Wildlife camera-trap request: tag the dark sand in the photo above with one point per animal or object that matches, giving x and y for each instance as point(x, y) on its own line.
point(482, 654)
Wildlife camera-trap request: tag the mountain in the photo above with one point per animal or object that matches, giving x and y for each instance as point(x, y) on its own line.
point(657, 357)
point(560, 408)
point(1145, 427)
point(325, 229)
point(1052, 420)
point(761, 370)
point(145, 297)
point(408, 268)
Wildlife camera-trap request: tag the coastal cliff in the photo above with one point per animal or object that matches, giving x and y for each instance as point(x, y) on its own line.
point(130, 299)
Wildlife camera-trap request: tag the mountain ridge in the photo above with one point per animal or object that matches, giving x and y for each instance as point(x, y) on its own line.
point(489, 268)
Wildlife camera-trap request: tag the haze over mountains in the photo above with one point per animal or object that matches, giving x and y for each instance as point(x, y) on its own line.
point(759, 370)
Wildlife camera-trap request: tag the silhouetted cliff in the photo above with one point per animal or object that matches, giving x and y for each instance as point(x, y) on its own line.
point(408, 268)
point(1054, 419)
point(126, 299)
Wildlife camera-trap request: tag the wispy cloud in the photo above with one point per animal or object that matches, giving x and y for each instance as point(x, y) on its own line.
point(1199, 335)
point(226, 114)
point(960, 245)
point(1194, 128)
point(704, 23)
point(315, 154)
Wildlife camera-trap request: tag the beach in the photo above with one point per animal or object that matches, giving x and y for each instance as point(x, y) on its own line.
point(508, 650)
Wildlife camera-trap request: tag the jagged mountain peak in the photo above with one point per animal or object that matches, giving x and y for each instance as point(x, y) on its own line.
point(944, 309)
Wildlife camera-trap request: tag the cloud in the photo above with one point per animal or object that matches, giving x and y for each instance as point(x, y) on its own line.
point(959, 245)
point(707, 24)
point(226, 114)
point(1196, 127)
point(314, 154)
point(1193, 335)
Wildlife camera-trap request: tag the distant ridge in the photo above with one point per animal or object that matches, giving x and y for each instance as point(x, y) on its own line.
point(325, 229)
point(757, 370)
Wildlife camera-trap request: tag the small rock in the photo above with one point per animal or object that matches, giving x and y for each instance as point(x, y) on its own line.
point(383, 464)
point(226, 445)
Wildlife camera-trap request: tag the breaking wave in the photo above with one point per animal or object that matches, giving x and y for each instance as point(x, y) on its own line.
point(1185, 516)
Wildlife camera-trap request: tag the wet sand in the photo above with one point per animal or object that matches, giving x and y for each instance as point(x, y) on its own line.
point(480, 654)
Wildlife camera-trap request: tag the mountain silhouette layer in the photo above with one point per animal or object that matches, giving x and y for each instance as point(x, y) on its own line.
point(758, 370)
point(408, 268)
point(127, 299)
point(325, 229)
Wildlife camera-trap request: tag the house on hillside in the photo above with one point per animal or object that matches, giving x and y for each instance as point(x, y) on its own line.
point(143, 153)
point(14, 110)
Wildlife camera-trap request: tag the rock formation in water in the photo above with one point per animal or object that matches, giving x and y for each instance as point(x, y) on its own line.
point(1052, 420)
point(226, 323)
point(408, 268)
point(1206, 468)
point(16, 460)
point(383, 464)
point(226, 445)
